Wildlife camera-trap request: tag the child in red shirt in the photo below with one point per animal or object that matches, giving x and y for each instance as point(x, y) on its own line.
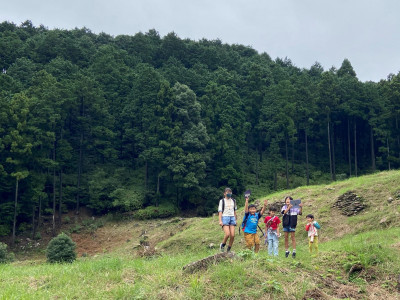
point(272, 231)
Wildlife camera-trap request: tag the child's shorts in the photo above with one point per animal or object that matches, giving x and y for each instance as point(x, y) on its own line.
point(289, 229)
point(251, 239)
point(229, 221)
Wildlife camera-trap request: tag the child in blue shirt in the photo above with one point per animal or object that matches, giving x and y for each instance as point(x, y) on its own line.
point(250, 219)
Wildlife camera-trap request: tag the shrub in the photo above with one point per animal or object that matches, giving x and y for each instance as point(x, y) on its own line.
point(38, 236)
point(5, 257)
point(152, 212)
point(4, 230)
point(61, 249)
point(76, 229)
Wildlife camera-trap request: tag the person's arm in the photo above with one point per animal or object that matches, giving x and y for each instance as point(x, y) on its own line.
point(263, 208)
point(246, 205)
point(277, 228)
point(316, 225)
point(220, 212)
point(288, 208)
point(308, 226)
point(301, 208)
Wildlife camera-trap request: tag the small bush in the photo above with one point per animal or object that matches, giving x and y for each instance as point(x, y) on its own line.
point(5, 257)
point(38, 236)
point(76, 229)
point(4, 230)
point(61, 249)
point(23, 227)
point(153, 212)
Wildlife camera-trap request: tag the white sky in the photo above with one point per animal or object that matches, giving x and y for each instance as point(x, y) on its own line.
point(367, 32)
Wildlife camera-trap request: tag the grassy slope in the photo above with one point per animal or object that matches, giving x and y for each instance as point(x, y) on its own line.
point(119, 273)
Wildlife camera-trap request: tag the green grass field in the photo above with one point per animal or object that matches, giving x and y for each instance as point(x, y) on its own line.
point(359, 257)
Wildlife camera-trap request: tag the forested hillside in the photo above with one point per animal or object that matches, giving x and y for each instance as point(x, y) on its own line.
point(121, 123)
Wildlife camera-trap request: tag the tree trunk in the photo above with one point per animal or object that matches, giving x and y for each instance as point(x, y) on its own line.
point(348, 143)
point(333, 153)
point(54, 192)
point(307, 170)
point(398, 137)
point(292, 157)
point(287, 164)
point(257, 166)
point(61, 190)
point(388, 152)
point(355, 149)
point(60, 200)
point(79, 174)
point(329, 148)
point(146, 171)
point(39, 213)
point(82, 109)
point(158, 188)
point(33, 221)
point(373, 165)
point(15, 211)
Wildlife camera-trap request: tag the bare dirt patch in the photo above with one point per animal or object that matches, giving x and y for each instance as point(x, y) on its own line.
point(105, 239)
point(316, 294)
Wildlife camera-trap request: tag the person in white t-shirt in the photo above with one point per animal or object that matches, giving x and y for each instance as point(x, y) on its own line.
point(227, 218)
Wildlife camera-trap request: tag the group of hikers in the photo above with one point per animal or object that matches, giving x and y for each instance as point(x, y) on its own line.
point(290, 210)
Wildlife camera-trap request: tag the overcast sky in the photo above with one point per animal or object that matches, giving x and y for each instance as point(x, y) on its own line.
point(367, 32)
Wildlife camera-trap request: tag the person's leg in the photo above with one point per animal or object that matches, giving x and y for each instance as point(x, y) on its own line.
point(286, 243)
point(286, 240)
point(316, 244)
point(248, 240)
point(275, 244)
point(227, 233)
point(270, 243)
point(293, 236)
point(310, 245)
point(231, 237)
point(256, 243)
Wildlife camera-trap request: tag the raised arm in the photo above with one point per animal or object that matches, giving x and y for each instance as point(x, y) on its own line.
point(246, 205)
point(264, 207)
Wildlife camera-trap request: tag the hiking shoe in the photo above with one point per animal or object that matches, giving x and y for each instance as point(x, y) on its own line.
point(294, 254)
point(287, 253)
point(221, 247)
point(228, 249)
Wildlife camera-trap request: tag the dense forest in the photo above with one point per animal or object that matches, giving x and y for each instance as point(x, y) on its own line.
point(120, 123)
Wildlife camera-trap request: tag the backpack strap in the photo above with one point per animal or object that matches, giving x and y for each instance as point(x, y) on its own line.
point(244, 222)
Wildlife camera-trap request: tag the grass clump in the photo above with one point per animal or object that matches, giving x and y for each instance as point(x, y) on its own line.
point(61, 249)
point(5, 256)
